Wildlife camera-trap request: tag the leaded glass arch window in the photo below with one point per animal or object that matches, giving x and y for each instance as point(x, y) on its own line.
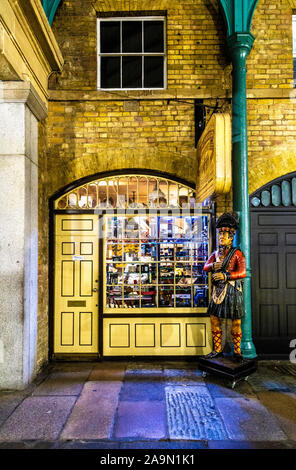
point(128, 191)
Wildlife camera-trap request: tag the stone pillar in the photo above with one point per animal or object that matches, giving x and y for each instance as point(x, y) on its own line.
point(20, 111)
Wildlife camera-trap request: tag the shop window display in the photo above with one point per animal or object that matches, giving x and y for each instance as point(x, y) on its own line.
point(156, 262)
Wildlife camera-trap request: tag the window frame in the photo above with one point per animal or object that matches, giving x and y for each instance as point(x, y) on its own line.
point(139, 54)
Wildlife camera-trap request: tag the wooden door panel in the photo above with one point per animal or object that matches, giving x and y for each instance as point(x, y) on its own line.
point(273, 263)
point(76, 284)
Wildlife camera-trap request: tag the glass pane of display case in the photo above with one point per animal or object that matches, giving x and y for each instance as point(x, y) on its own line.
point(113, 274)
point(114, 251)
point(148, 296)
point(149, 273)
point(131, 251)
point(199, 276)
point(200, 296)
point(166, 273)
point(166, 227)
point(155, 261)
point(131, 297)
point(114, 228)
point(114, 297)
point(148, 251)
point(183, 296)
point(183, 274)
point(166, 296)
point(131, 228)
point(166, 251)
point(182, 228)
point(183, 251)
point(131, 273)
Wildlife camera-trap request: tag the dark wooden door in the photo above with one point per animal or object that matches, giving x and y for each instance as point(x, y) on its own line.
point(273, 263)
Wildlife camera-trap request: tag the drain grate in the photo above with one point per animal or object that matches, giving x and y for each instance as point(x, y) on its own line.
point(192, 414)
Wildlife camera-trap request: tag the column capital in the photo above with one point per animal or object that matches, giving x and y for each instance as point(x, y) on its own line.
point(239, 44)
point(23, 92)
point(238, 15)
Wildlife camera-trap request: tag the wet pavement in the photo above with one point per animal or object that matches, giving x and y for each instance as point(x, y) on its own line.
point(150, 405)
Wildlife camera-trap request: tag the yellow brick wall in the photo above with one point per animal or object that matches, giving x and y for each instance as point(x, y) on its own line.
point(86, 138)
point(271, 137)
point(270, 64)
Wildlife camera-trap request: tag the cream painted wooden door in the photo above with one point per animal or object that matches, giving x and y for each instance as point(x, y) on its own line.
point(76, 284)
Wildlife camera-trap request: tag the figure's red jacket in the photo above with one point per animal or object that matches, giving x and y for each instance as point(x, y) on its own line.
point(236, 267)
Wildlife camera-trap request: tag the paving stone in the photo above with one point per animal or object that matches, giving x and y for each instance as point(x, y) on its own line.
point(283, 407)
point(189, 376)
point(63, 383)
point(221, 388)
point(164, 445)
point(142, 390)
point(88, 444)
point(246, 419)
point(72, 366)
point(107, 371)
point(93, 414)
point(8, 402)
point(40, 418)
point(192, 414)
point(264, 380)
point(251, 445)
point(145, 370)
point(140, 419)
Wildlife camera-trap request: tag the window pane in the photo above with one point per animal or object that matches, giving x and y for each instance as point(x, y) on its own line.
point(153, 36)
point(132, 72)
point(131, 36)
point(110, 36)
point(153, 72)
point(110, 72)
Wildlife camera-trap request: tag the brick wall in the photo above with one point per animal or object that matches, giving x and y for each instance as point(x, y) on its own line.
point(271, 136)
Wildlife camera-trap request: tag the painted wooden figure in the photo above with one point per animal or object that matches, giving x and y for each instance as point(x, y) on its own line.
point(229, 268)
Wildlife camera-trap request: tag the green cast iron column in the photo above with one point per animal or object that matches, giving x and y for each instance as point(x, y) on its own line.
point(238, 16)
point(239, 46)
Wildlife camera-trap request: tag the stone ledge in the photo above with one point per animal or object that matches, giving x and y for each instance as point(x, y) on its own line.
point(208, 93)
point(23, 92)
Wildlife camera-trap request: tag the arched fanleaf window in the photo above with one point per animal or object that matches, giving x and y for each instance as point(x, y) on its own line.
point(128, 191)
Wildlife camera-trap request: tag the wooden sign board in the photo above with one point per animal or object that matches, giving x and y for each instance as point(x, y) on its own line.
point(214, 158)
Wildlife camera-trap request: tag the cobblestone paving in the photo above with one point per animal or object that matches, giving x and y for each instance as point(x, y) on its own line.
point(150, 405)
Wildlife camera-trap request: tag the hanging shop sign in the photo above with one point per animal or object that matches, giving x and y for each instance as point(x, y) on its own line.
point(214, 158)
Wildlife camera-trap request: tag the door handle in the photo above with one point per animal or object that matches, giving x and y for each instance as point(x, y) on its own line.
point(95, 290)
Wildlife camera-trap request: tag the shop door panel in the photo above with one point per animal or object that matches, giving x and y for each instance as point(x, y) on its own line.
point(273, 281)
point(76, 284)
